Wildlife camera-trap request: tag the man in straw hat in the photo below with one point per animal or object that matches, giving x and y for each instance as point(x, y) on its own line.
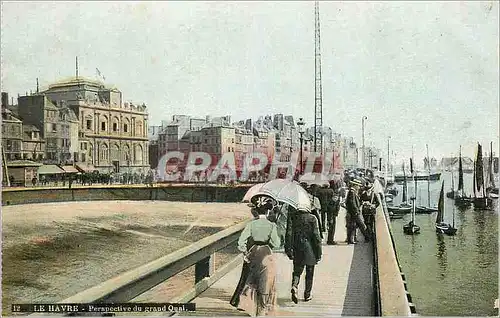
point(353, 217)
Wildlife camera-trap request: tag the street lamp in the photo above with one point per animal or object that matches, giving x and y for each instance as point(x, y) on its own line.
point(300, 125)
point(363, 137)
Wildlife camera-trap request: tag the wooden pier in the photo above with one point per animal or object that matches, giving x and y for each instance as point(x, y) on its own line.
point(343, 284)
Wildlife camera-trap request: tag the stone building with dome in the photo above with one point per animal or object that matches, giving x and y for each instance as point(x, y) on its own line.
point(111, 135)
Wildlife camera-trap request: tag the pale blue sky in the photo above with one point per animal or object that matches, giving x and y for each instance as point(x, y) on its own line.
point(423, 72)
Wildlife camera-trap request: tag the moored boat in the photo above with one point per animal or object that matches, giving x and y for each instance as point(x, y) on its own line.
point(411, 228)
point(441, 226)
point(425, 209)
point(491, 188)
point(403, 207)
point(461, 199)
point(421, 177)
point(481, 200)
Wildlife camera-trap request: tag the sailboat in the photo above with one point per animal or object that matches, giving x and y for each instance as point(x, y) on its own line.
point(427, 209)
point(481, 200)
point(441, 226)
point(404, 207)
point(491, 189)
point(451, 194)
point(411, 228)
point(461, 199)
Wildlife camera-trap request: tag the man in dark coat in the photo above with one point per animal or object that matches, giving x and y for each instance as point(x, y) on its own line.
point(353, 217)
point(332, 211)
point(369, 205)
point(324, 196)
point(303, 246)
point(315, 204)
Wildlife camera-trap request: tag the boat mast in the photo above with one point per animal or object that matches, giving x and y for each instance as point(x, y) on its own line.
point(414, 190)
point(413, 172)
point(490, 168)
point(387, 163)
point(428, 177)
point(460, 174)
point(474, 179)
point(453, 225)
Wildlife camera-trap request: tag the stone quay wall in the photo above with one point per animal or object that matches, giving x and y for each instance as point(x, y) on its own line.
point(185, 193)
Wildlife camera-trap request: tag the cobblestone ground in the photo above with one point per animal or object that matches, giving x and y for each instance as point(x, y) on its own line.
point(55, 250)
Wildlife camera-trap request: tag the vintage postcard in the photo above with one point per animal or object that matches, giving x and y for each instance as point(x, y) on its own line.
point(218, 158)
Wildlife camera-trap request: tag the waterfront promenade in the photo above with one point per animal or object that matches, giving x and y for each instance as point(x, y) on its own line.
point(343, 284)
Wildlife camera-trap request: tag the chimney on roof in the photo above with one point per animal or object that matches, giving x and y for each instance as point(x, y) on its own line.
point(5, 99)
point(37, 89)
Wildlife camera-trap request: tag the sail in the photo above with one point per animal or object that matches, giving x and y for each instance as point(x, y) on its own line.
point(474, 180)
point(404, 199)
point(440, 214)
point(479, 168)
point(490, 168)
point(460, 174)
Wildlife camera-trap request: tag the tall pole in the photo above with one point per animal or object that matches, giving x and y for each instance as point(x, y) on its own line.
point(363, 138)
point(428, 177)
point(77, 67)
point(300, 154)
point(318, 95)
point(388, 160)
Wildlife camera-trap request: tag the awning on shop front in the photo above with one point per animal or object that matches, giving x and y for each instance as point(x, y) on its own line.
point(50, 169)
point(70, 169)
point(23, 163)
point(85, 168)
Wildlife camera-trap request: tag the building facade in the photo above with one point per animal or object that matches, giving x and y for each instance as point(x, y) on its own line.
point(112, 134)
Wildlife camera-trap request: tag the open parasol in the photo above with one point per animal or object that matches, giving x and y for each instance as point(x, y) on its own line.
point(286, 191)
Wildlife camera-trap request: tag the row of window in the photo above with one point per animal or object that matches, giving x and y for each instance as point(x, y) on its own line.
point(27, 156)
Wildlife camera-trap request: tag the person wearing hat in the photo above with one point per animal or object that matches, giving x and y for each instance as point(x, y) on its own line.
point(303, 247)
point(353, 217)
point(369, 204)
point(258, 275)
point(317, 206)
point(315, 203)
point(332, 211)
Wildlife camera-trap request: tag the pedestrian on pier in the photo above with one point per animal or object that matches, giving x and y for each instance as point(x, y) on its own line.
point(332, 211)
point(303, 246)
point(353, 215)
point(369, 206)
point(256, 292)
point(315, 204)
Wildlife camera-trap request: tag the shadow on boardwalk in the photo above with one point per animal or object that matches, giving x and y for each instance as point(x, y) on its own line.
point(359, 296)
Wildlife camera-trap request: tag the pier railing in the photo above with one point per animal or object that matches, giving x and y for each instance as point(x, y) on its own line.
point(133, 283)
point(393, 296)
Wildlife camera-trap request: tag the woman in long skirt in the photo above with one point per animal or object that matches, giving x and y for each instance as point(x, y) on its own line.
point(258, 295)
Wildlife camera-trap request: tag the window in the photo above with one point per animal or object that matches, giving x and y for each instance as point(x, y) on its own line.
point(125, 128)
point(89, 124)
point(54, 127)
point(103, 126)
point(228, 148)
point(115, 127)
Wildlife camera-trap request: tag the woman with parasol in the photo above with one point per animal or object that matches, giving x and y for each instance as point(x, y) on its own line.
point(256, 291)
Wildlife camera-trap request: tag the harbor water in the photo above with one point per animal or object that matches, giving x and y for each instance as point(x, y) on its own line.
point(450, 275)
